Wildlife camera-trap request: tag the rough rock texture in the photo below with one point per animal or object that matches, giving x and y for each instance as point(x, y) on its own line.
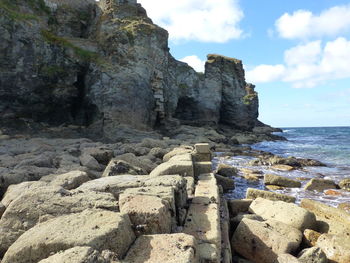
point(272, 179)
point(98, 229)
point(105, 65)
point(46, 203)
point(312, 255)
point(167, 248)
point(255, 193)
point(76, 255)
point(67, 181)
point(261, 242)
point(290, 214)
point(320, 185)
point(336, 247)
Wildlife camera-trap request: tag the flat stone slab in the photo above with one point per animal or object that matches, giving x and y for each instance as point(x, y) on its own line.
point(255, 193)
point(288, 213)
point(98, 229)
point(263, 241)
point(148, 214)
point(203, 222)
point(207, 191)
point(179, 164)
point(166, 248)
point(202, 147)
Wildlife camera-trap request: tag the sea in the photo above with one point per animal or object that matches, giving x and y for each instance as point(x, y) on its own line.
point(330, 145)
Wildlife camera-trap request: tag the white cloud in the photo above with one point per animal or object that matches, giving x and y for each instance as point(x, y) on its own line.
point(195, 62)
point(308, 65)
point(200, 20)
point(304, 24)
point(265, 73)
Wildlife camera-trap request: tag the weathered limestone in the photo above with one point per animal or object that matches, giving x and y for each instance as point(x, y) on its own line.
point(345, 184)
point(165, 248)
point(226, 170)
point(336, 247)
point(261, 242)
point(202, 148)
point(238, 206)
point(310, 237)
point(98, 229)
point(207, 191)
point(282, 167)
point(320, 185)
point(290, 214)
point(178, 164)
point(148, 214)
point(76, 255)
point(90, 162)
point(202, 168)
point(329, 219)
point(177, 151)
point(2, 209)
point(272, 179)
point(225, 182)
point(312, 255)
point(255, 193)
point(68, 181)
point(38, 205)
point(117, 167)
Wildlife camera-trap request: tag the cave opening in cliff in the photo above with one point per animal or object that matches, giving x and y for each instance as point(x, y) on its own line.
point(82, 111)
point(186, 110)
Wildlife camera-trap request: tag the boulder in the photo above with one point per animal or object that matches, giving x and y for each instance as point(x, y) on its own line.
point(225, 182)
point(148, 214)
point(101, 154)
point(98, 229)
point(272, 179)
point(177, 151)
point(261, 242)
point(288, 213)
point(336, 247)
point(329, 219)
point(312, 255)
point(165, 248)
point(68, 181)
point(15, 190)
point(202, 147)
point(345, 184)
point(141, 162)
point(40, 204)
point(90, 162)
point(282, 167)
point(255, 193)
point(226, 170)
point(178, 164)
point(117, 167)
point(76, 255)
point(317, 184)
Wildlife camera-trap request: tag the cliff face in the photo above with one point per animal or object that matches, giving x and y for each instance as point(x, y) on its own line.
point(105, 64)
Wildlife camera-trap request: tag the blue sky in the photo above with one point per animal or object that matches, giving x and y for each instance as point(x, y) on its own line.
point(297, 53)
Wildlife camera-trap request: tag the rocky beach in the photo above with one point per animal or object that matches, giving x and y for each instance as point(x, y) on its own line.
point(111, 150)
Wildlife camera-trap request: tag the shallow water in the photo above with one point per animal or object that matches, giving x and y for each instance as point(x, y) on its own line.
point(328, 145)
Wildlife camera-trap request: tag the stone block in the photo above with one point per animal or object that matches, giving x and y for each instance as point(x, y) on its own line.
point(255, 193)
point(207, 192)
point(317, 184)
point(202, 168)
point(336, 247)
point(202, 147)
point(272, 179)
point(165, 248)
point(238, 206)
point(288, 213)
point(263, 241)
point(148, 214)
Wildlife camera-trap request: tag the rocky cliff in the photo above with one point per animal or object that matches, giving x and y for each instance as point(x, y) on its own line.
point(105, 64)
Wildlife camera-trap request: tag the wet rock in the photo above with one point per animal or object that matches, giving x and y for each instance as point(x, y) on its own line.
point(157, 248)
point(290, 214)
point(336, 247)
point(226, 170)
point(98, 229)
point(320, 185)
point(345, 184)
point(76, 255)
point(274, 187)
point(117, 167)
point(226, 183)
point(290, 161)
point(282, 167)
point(263, 241)
point(329, 219)
point(255, 193)
point(271, 179)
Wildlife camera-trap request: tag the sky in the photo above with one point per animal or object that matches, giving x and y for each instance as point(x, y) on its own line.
point(296, 52)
